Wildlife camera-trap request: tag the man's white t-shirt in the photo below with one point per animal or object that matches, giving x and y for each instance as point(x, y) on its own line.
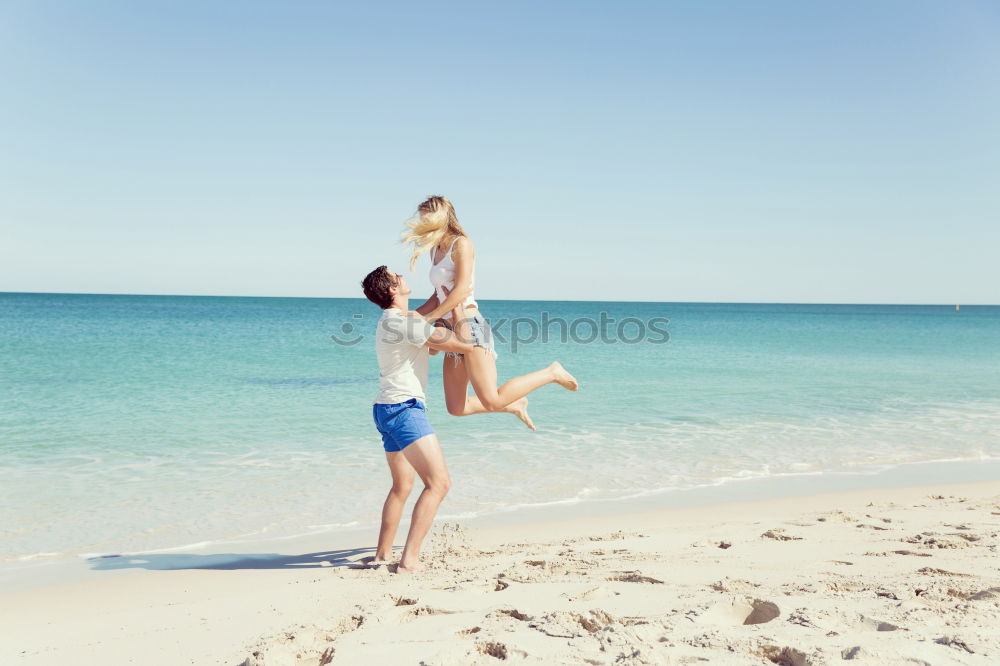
point(402, 356)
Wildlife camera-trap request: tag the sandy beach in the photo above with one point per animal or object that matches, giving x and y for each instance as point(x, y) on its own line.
point(895, 576)
point(658, 332)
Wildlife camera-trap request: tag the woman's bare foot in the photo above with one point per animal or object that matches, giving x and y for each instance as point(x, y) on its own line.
point(379, 559)
point(519, 408)
point(563, 378)
point(412, 568)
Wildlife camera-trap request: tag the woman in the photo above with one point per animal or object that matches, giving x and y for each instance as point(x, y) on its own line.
point(435, 229)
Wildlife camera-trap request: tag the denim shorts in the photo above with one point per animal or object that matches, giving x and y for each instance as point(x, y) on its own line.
point(401, 424)
point(481, 336)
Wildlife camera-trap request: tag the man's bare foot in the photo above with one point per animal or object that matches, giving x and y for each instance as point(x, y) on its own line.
point(563, 378)
point(519, 408)
point(375, 561)
point(412, 568)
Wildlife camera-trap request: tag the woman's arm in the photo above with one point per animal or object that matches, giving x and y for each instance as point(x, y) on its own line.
point(464, 256)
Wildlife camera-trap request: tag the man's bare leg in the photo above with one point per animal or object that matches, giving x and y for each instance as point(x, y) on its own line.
point(427, 459)
point(402, 483)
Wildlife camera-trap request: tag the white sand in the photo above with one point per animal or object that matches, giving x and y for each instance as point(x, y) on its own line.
point(900, 576)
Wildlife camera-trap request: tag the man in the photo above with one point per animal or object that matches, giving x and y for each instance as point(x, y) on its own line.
point(402, 341)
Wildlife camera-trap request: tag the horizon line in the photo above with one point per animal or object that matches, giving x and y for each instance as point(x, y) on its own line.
point(529, 300)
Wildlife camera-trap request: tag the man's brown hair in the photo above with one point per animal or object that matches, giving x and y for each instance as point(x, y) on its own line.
point(377, 284)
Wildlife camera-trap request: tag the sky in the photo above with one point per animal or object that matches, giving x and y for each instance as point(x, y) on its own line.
point(635, 151)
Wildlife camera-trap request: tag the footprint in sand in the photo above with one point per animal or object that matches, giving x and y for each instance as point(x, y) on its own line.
point(858, 622)
point(633, 577)
point(786, 656)
point(972, 538)
point(991, 594)
point(929, 540)
point(493, 649)
point(737, 612)
point(566, 624)
point(954, 642)
point(837, 517)
point(733, 585)
point(499, 650)
point(778, 534)
point(841, 587)
point(514, 613)
point(423, 611)
point(942, 572)
point(599, 592)
point(800, 617)
point(872, 527)
point(306, 639)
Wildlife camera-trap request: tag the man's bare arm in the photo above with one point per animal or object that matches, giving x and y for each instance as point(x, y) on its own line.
point(428, 305)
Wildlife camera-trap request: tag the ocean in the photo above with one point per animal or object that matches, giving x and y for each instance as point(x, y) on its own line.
point(142, 423)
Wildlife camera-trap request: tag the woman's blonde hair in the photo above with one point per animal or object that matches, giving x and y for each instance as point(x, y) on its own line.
point(435, 220)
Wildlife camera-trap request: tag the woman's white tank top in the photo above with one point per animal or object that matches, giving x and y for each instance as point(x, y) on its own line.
point(443, 275)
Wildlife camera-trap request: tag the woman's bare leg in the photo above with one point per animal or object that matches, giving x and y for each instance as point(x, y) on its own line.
point(460, 403)
point(482, 370)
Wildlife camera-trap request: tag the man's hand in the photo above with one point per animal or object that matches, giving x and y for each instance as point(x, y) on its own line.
point(445, 340)
point(433, 351)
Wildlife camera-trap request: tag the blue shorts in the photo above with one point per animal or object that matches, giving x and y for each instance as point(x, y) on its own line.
point(401, 424)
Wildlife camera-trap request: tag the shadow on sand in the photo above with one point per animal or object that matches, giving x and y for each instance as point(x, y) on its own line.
point(232, 561)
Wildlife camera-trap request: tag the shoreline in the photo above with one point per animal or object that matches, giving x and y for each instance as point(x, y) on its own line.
point(16, 575)
point(220, 609)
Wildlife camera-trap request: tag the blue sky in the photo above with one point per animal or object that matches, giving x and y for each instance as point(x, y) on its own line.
point(724, 151)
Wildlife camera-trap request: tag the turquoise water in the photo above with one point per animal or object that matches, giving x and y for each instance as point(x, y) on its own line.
point(132, 423)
